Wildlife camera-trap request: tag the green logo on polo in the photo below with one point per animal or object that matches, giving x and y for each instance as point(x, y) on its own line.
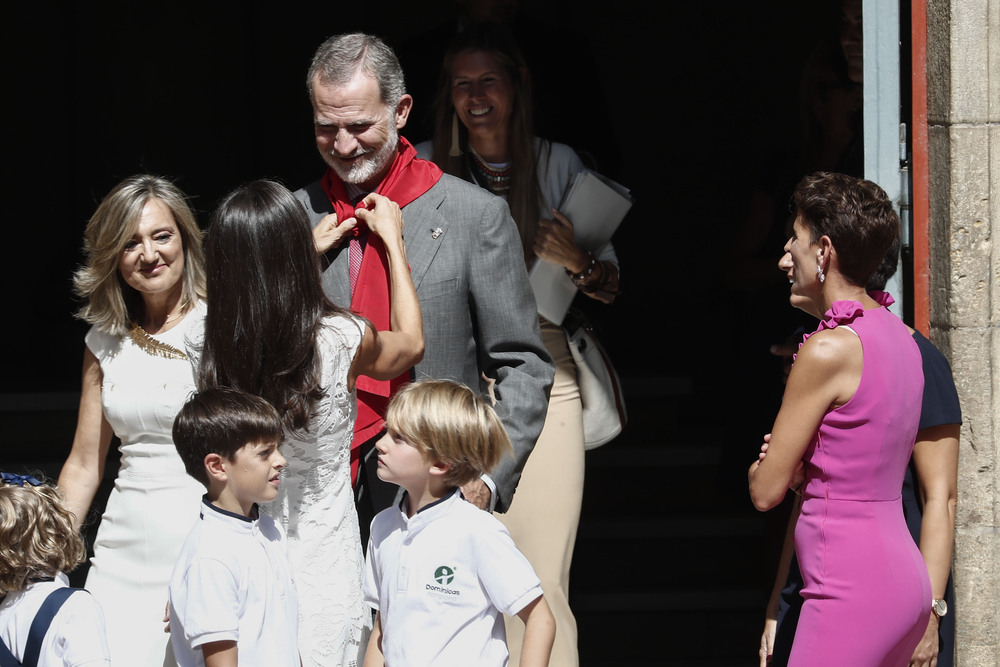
point(444, 575)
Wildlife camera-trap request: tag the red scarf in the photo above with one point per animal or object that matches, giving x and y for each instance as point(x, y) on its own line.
point(408, 178)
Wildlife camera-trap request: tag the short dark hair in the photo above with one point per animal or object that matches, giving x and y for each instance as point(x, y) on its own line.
point(222, 421)
point(856, 214)
point(887, 269)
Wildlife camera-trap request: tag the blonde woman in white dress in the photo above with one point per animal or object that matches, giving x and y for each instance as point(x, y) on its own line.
point(143, 278)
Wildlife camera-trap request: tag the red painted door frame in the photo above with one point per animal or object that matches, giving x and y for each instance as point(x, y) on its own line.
point(919, 168)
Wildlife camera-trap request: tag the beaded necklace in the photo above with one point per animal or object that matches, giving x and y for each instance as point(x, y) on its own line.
point(494, 179)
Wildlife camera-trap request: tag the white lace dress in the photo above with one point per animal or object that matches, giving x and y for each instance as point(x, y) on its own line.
point(315, 505)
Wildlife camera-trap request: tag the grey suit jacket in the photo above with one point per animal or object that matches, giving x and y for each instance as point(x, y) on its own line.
point(478, 311)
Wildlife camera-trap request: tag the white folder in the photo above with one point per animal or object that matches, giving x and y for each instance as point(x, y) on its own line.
point(596, 206)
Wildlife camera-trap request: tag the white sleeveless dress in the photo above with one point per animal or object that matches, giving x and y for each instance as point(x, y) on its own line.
point(315, 506)
point(154, 502)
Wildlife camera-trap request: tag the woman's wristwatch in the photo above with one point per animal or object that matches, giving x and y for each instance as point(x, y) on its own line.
point(939, 607)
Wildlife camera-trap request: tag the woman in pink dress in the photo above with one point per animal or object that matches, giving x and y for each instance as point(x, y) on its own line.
point(844, 435)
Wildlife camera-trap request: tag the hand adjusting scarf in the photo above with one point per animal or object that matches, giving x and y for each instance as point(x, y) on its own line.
point(408, 178)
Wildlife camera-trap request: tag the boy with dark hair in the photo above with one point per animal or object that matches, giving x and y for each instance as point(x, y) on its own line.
point(232, 596)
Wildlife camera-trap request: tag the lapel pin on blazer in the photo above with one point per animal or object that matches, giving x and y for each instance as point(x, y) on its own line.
point(437, 232)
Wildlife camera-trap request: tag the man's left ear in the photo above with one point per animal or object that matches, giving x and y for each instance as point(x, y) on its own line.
point(403, 111)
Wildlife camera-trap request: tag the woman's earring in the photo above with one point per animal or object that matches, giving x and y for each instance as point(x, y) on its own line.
point(819, 269)
point(455, 150)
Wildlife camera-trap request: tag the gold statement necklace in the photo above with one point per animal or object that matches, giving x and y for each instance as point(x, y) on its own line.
point(152, 346)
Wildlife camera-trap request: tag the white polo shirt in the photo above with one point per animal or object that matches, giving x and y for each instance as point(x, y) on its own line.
point(76, 636)
point(232, 581)
point(440, 581)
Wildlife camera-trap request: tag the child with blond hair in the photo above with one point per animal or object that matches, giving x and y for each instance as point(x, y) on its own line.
point(439, 570)
point(43, 622)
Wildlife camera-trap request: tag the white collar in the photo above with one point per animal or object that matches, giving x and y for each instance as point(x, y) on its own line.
point(231, 520)
point(429, 512)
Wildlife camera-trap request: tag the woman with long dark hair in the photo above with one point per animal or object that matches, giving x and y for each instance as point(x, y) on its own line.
point(270, 331)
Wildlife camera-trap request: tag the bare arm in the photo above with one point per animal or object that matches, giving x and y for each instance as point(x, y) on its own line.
point(383, 355)
point(826, 374)
point(539, 633)
point(373, 656)
point(220, 654)
point(936, 457)
point(773, 603)
point(84, 468)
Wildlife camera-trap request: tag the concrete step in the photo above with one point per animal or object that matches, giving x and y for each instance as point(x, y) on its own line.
point(668, 570)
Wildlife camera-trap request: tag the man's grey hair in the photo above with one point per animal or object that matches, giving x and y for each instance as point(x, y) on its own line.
point(340, 57)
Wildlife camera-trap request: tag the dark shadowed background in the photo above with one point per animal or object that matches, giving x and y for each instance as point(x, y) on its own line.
point(686, 103)
point(212, 94)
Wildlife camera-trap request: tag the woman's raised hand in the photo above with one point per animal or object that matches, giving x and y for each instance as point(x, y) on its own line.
point(385, 354)
point(555, 243)
point(383, 217)
point(328, 234)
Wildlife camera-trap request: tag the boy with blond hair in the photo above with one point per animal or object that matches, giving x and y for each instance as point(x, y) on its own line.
point(232, 596)
point(439, 570)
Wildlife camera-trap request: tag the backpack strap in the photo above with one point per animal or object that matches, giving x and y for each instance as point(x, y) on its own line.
point(43, 619)
point(7, 658)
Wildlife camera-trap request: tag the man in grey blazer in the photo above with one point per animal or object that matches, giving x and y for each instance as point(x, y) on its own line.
point(480, 321)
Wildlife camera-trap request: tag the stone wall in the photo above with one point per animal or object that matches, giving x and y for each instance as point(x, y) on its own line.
point(963, 53)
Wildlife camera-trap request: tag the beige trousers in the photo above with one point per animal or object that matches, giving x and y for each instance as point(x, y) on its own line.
point(545, 512)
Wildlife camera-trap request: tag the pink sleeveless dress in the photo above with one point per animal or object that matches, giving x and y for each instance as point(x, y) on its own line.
point(867, 594)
